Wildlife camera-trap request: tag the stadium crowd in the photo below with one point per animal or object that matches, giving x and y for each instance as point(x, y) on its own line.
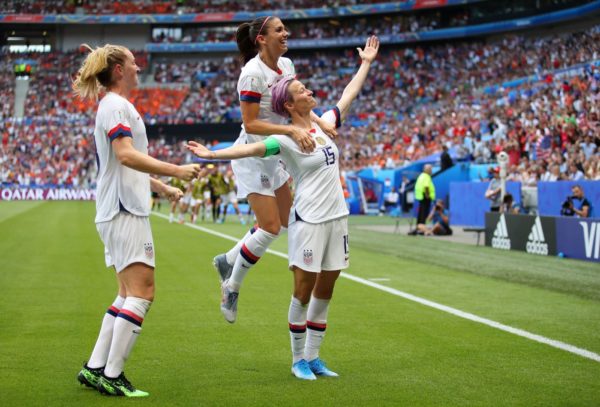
point(333, 28)
point(432, 96)
point(158, 7)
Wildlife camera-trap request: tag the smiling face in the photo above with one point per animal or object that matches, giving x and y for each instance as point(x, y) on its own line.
point(300, 99)
point(274, 36)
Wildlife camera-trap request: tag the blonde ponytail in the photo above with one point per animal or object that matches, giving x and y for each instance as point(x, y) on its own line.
point(95, 72)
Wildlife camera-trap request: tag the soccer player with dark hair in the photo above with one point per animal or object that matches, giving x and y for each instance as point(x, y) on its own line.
point(318, 234)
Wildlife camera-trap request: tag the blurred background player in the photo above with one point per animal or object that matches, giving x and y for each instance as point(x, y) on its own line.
point(230, 198)
point(179, 184)
point(218, 188)
point(318, 247)
point(156, 201)
point(187, 202)
point(122, 211)
point(199, 185)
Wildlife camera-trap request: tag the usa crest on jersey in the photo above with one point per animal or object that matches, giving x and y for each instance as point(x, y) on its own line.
point(149, 250)
point(308, 257)
point(264, 180)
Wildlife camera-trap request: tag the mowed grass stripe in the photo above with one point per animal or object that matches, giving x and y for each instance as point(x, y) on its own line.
point(444, 308)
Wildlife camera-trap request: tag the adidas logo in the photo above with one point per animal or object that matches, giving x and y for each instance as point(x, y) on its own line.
point(536, 242)
point(500, 239)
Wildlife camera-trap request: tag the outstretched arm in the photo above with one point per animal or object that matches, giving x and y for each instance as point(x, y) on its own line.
point(229, 153)
point(351, 91)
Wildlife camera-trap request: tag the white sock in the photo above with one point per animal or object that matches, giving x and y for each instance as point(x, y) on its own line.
point(297, 324)
point(128, 326)
point(316, 324)
point(100, 352)
point(252, 250)
point(232, 254)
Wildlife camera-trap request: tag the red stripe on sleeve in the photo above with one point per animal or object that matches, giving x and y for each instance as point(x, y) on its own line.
point(117, 128)
point(250, 93)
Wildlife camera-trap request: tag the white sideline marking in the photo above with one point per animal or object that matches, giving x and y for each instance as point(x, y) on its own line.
point(466, 315)
point(379, 279)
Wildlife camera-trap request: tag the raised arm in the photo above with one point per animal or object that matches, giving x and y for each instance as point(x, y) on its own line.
point(230, 153)
point(353, 88)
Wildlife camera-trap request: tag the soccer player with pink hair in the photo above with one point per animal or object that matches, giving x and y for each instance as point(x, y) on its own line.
point(318, 227)
point(263, 182)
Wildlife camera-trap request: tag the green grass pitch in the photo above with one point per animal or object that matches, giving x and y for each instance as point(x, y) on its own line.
point(389, 351)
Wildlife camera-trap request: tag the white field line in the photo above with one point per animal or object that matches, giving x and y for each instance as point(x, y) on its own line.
point(378, 279)
point(466, 315)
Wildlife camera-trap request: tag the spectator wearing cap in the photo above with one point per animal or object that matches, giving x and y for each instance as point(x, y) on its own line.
point(494, 191)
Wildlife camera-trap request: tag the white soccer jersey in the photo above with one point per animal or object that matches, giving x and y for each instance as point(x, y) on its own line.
point(119, 187)
point(256, 175)
point(319, 196)
point(254, 86)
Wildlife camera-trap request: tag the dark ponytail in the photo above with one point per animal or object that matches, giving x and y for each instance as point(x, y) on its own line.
point(246, 38)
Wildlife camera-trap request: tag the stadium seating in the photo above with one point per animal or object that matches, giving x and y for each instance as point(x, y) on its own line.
point(470, 96)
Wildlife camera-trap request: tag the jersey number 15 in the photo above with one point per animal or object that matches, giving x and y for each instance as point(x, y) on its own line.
point(329, 155)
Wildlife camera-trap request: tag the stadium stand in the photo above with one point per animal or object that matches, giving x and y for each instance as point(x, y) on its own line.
point(157, 7)
point(478, 97)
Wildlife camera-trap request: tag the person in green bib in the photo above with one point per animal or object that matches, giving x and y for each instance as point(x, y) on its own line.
point(424, 193)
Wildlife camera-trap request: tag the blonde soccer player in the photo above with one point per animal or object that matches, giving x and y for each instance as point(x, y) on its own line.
point(318, 228)
point(122, 211)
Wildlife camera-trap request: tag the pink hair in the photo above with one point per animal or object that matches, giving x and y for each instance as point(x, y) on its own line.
point(279, 95)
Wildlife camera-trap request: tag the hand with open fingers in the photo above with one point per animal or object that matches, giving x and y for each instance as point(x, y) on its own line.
point(303, 138)
point(200, 150)
point(172, 194)
point(188, 172)
point(371, 49)
point(328, 128)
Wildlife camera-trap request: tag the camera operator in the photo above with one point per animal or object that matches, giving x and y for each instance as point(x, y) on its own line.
point(576, 204)
point(440, 222)
point(509, 205)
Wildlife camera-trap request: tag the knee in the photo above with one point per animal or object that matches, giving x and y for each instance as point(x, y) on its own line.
point(302, 294)
point(272, 226)
point(303, 289)
point(145, 290)
point(148, 292)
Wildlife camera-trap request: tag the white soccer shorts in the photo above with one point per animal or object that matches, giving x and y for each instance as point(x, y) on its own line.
point(127, 239)
point(258, 176)
point(317, 247)
point(188, 200)
point(228, 198)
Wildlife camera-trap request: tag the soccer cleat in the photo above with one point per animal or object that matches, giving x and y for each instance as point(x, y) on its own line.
point(301, 370)
point(229, 300)
point(90, 376)
point(119, 386)
point(222, 267)
point(317, 366)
